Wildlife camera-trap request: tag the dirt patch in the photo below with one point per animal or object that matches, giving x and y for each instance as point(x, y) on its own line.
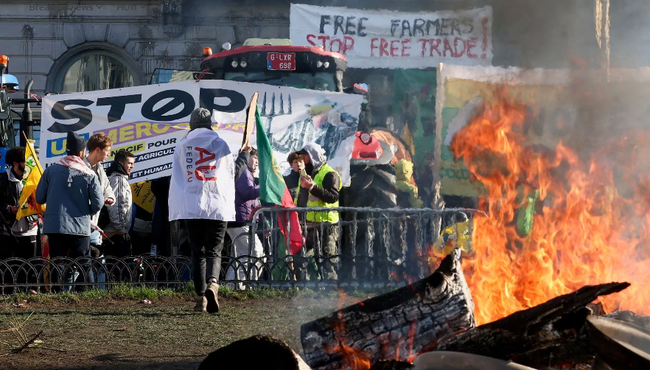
point(106, 334)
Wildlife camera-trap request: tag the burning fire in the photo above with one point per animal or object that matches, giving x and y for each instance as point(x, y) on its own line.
point(356, 359)
point(584, 231)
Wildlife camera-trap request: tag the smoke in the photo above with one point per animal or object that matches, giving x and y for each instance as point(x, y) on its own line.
point(603, 112)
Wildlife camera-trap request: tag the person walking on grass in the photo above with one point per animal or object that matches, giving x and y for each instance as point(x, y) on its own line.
point(202, 195)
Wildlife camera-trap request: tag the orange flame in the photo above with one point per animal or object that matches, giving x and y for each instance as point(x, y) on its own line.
point(356, 359)
point(584, 232)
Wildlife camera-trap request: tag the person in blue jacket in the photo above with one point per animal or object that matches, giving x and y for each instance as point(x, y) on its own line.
point(72, 194)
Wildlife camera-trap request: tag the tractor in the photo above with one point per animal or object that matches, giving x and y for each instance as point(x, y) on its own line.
point(9, 84)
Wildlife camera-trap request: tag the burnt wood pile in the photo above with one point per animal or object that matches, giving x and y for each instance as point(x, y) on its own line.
point(552, 333)
point(432, 321)
point(400, 323)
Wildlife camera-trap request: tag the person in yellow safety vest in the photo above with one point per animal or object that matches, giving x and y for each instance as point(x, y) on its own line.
point(319, 187)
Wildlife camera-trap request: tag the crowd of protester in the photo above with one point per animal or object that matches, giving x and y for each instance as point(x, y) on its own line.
point(211, 195)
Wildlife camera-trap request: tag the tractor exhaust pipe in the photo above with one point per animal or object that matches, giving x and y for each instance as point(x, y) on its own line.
point(26, 123)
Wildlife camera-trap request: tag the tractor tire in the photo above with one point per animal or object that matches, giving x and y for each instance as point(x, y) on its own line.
point(373, 186)
point(370, 187)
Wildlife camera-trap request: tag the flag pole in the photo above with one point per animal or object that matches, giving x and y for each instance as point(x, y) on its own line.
point(38, 164)
point(250, 120)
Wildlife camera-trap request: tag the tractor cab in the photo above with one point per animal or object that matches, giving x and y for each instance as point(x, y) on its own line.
point(277, 62)
point(272, 62)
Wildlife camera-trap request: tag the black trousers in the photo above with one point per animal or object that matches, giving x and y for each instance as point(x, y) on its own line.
point(19, 247)
point(73, 246)
point(206, 239)
point(120, 247)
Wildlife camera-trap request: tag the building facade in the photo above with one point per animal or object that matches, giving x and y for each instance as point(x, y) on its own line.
point(71, 46)
point(82, 46)
point(62, 43)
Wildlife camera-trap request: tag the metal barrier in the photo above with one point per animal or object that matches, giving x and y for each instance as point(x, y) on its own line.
point(368, 247)
point(65, 274)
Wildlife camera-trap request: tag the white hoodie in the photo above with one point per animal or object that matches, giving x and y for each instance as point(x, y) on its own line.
point(203, 178)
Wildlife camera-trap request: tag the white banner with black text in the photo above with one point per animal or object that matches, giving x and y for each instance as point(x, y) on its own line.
point(149, 120)
point(390, 39)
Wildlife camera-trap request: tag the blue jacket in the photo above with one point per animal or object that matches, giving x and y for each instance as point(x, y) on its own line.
point(68, 208)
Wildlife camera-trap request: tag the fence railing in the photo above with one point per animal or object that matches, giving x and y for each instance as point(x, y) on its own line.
point(366, 247)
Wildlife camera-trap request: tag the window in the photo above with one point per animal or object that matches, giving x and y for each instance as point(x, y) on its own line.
point(96, 72)
point(94, 66)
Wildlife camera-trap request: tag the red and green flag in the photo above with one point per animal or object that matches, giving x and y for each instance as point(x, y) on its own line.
point(273, 190)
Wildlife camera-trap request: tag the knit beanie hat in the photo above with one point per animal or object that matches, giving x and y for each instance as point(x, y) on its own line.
point(201, 118)
point(75, 143)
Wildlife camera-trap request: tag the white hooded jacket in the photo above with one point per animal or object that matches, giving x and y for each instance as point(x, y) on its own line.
point(104, 183)
point(203, 178)
point(317, 155)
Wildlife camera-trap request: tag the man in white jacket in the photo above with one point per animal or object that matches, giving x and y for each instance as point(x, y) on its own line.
point(120, 212)
point(202, 195)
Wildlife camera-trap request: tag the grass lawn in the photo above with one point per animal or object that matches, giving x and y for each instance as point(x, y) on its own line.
point(100, 330)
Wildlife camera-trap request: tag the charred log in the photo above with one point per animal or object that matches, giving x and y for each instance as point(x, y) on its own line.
point(597, 309)
point(257, 352)
point(551, 333)
point(394, 325)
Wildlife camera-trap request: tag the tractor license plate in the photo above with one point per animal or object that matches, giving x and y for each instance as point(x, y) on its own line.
point(281, 61)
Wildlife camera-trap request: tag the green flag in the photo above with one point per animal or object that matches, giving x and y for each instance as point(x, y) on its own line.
point(273, 190)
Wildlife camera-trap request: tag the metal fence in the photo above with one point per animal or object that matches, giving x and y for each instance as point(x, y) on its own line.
point(367, 247)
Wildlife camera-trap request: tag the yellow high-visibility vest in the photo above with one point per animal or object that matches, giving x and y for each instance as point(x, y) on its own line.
point(331, 216)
